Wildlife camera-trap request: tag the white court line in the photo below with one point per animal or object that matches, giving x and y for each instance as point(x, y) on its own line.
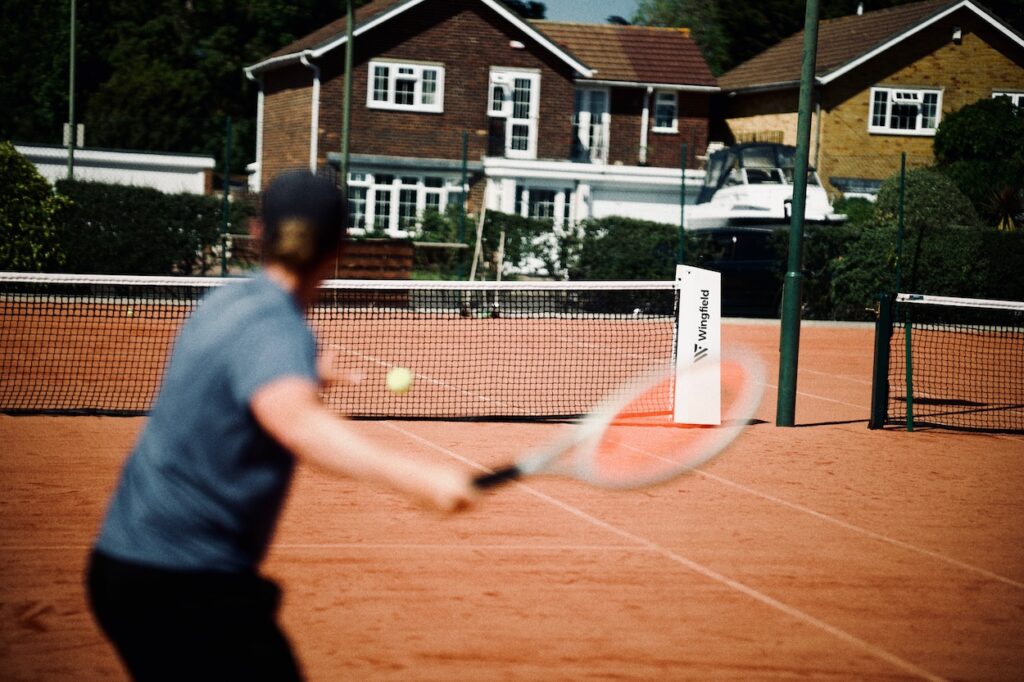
point(863, 531)
point(735, 585)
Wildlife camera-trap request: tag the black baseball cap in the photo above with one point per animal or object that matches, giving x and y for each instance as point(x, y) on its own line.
point(304, 217)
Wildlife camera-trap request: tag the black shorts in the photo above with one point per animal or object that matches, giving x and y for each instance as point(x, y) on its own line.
point(173, 625)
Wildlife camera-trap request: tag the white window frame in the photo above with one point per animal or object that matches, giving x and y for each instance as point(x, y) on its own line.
point(674, 128)
point(562, 204)
point(597, 133)
point(367, 180)
point(506, 78)
point(894, 94)
point(417, 70)
point(1016, 96)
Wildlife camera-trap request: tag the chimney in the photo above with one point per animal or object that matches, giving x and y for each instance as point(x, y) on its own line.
point(860, 8)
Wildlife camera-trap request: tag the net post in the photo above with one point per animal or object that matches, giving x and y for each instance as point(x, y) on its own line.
point(907, 329)
point(698, 342)
point(880, 370)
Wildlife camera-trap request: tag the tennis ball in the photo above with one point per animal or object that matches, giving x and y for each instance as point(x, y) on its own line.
point(399, 380)
point(129, 313)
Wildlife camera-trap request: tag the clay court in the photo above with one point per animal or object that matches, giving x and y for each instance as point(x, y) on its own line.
point(825, 551)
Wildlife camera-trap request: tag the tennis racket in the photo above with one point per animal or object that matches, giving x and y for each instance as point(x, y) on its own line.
point(631, 440)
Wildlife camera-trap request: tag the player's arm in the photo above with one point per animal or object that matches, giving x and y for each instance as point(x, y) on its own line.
point(290, 410)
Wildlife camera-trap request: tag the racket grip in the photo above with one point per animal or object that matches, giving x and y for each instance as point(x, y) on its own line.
point(503, 475)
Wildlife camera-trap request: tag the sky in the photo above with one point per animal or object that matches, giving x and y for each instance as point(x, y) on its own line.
point(588, 11)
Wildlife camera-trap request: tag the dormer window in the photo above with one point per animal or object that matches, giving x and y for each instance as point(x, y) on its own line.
point(905, 111)
point(406, 86)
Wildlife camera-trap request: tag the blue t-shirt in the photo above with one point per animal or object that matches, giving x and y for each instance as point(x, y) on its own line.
point(204, 485)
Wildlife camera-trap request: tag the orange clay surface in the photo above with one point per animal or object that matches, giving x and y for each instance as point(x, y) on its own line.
point(825, 551)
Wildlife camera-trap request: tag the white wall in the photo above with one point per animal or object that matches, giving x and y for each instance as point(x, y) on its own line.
point(170, 173)
point(658, 204)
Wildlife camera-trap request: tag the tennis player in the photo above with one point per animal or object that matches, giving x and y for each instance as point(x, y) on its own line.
point(173, 576)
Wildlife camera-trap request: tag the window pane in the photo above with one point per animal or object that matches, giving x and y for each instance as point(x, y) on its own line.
point(521, 99)
point(406, 208)
point(405, 91)
point(429, 86)
point(432, 201)
point(433, 182)
point(542, 203)
point(904, 111)
point(929, 110)
point(498, 98)
point(380, 84)
point(382, 202)
point(520, 137)
point(357, 207)
point(878, 107)
point(665, 110)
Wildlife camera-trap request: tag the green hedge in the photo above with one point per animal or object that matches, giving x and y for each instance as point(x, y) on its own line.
point(29, 214)
point(119, 229)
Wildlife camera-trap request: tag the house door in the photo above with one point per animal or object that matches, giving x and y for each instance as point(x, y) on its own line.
point(591, 120)
point(515, 97)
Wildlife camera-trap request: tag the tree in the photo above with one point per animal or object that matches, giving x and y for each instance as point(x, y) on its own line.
point(527, 10)
point(150, 74)
point(981, 149)
point(28, 212)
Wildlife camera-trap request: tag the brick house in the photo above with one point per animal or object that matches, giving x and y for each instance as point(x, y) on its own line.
point(561, 121)
point(884, 80)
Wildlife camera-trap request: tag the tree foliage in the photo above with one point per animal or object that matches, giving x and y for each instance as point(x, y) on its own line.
point(150, 74)
point(527, 8)
point(28, 213)
point(981, 149)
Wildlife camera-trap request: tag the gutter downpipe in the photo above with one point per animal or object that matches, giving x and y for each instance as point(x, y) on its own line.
point(314, 133)
point(259, 128)
point(817, 125)
point(645, 118)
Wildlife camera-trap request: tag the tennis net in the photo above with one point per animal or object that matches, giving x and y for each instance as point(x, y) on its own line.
point(949, 362)
point(98, 344)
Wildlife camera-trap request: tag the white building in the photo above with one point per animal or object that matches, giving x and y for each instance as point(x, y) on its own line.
point(170, 173)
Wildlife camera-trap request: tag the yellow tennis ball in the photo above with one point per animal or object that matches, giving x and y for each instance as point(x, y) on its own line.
point(399, 380)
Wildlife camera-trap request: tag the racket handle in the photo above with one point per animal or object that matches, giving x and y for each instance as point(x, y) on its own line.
point(503, 475)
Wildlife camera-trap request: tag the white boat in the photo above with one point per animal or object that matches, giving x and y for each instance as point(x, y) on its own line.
point(752, 184)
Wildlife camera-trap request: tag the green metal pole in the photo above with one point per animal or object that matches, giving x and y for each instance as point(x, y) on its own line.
point(900, 223)
point(346, 112)
point(71, 98)
point(226, 206)
point(907, 327)
point(464, 200)
point(681, 256)
point(789, 347)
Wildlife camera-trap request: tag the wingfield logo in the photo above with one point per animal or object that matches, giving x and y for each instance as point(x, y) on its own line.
point(700, 352)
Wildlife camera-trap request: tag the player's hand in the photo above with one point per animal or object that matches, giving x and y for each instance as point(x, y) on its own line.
point(449, 490)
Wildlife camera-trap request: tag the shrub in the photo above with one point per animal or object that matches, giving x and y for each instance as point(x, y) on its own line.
point(28, 213)
point(625, 248)
point(981, 149)
point(118, 229)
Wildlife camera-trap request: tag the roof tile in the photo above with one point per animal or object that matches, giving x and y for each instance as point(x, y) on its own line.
point(640, 54)
point(840, 41)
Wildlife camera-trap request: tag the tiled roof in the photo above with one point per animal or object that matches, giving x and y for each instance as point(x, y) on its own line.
point(840, 41)
point(637, 54)
point(336, 28)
